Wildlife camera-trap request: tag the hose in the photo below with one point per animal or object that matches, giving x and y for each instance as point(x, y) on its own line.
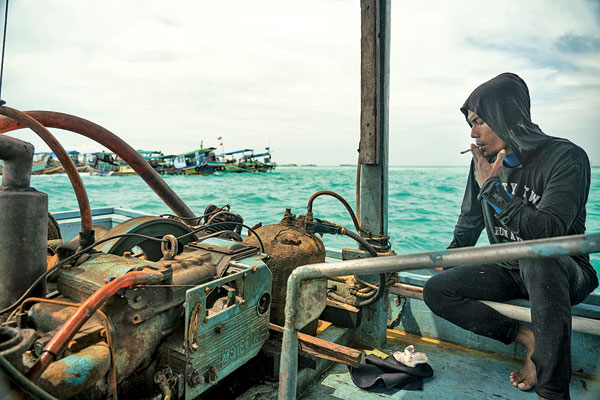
point(341, 199)
point(356, 237)
point(18, 378)
point(362, 242)
point(114, 143)
point(66, 332)
point(23, 120)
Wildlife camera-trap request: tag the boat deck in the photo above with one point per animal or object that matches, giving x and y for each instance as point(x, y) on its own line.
point(459, 373)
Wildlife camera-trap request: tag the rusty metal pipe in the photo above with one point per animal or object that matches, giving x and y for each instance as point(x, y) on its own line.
point(21, 119)
point(66, 332)
point(115, 144)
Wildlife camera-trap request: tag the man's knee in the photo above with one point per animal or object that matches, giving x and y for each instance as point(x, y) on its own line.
point(542, 269)
point(432, 291)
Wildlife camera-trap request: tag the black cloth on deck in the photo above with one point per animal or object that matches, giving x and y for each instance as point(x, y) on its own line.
point(374, 372)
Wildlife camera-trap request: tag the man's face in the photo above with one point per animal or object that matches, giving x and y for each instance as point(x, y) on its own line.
point(485, 138)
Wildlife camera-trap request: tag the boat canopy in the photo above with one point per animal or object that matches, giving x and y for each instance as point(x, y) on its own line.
point(234, 152)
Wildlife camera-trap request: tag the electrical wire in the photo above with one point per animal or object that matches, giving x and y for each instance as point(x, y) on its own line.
point(65, 262)
point(107, 326)
point(18, 378)
point(103, 240)
point(2, 102)
point(262, 247)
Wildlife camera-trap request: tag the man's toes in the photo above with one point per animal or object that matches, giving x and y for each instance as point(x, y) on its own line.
point(515, 377)
point(524, 386)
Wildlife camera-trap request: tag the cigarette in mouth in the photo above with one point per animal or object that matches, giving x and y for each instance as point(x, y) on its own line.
point(465, 151)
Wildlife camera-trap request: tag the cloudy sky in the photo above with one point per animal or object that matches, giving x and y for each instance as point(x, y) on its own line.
point(286, 74)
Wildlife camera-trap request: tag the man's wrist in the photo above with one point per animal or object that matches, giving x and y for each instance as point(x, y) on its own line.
point(494, 194)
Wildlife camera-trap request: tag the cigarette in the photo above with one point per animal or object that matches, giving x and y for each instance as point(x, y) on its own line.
point(465, 151)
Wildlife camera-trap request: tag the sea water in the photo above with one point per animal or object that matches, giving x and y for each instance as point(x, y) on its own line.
point(423, 202)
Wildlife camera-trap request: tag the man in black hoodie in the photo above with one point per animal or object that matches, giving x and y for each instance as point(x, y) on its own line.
point(522, 185)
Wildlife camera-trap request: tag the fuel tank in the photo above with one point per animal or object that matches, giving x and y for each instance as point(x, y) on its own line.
point(288, 246)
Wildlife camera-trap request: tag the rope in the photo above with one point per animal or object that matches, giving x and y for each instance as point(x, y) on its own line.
point(394, 322)
point(361, 288)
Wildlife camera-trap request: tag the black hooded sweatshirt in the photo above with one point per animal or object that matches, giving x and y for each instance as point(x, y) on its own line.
point(544, 196)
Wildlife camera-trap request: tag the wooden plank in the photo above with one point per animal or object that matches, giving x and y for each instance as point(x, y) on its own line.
point(341, 314)
point(323, 349)
point(369, 83)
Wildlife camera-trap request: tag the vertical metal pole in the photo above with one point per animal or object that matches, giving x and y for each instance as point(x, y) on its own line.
point(374, 147)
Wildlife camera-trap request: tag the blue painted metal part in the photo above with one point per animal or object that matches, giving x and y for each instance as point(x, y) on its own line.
point(80, 282)
point(75, 373)
point(220, 339)
point(571, 245)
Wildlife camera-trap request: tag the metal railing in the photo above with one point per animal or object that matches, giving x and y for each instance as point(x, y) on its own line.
point(304, 302)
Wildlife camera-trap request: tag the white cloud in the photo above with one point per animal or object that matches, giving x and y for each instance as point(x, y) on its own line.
point(287, 73)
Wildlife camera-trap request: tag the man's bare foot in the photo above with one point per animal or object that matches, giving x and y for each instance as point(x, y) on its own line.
point(525, 378)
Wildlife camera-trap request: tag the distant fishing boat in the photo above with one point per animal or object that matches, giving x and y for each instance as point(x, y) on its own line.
point(248, 161)
point(107, 164)
point(198, 162)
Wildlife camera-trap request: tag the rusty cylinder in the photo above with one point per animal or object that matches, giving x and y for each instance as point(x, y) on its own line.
point(23, 223)
point(288, 246)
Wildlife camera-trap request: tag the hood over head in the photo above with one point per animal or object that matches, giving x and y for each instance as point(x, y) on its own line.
point(503, 103)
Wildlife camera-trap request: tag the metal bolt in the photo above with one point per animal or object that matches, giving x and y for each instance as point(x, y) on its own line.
point(137, 298)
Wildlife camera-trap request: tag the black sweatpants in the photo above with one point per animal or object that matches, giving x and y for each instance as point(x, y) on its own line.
point(551, 285)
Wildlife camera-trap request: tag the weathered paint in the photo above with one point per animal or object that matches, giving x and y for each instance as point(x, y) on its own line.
point(312, 300)
point(218, 341)
point(374, 142)
point(549, 251)
point(73, 374)
point(437, 258)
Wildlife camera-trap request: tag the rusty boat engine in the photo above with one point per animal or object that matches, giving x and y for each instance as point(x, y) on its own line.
point(157, 306)
point(288, 246)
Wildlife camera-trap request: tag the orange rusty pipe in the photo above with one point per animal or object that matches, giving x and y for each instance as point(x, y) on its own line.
point(66, 332)
point(23, 120)
point(115, 144)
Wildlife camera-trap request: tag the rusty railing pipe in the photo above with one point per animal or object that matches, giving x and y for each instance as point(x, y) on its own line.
point(111, 141)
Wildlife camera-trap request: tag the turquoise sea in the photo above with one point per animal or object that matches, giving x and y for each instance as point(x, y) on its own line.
point(424, 202)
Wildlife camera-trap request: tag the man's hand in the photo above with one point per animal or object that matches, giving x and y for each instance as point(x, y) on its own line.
point(485, 170)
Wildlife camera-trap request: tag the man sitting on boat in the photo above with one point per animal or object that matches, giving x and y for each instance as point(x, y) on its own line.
point(522, 185)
